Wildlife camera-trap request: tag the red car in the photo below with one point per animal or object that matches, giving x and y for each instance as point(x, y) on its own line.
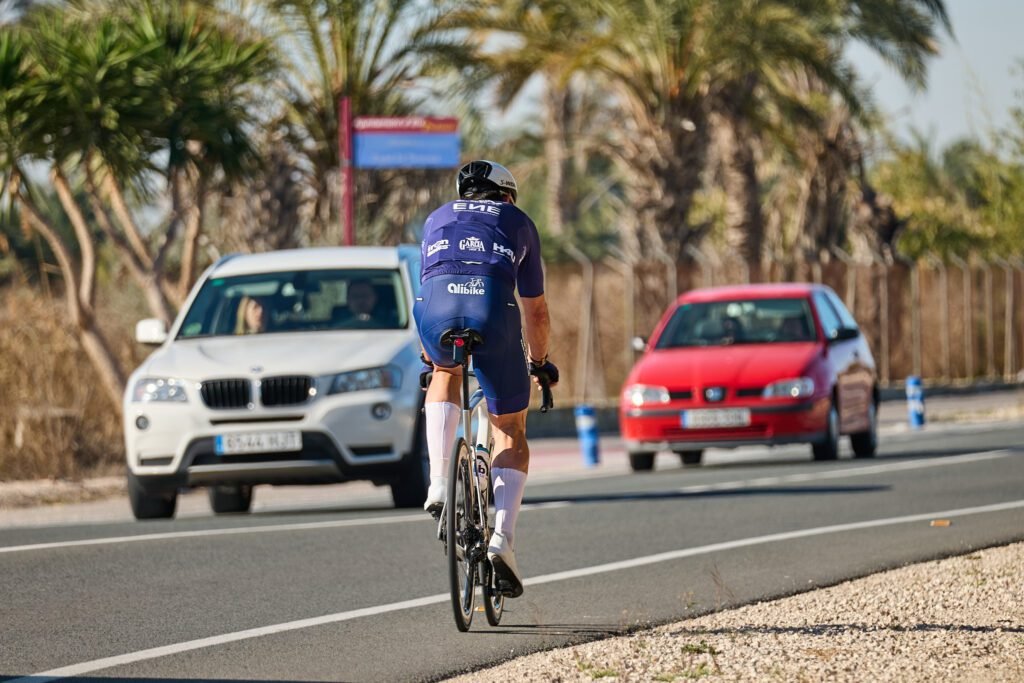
point(751, 365)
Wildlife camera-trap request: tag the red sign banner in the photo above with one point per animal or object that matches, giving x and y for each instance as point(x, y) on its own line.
point(405, 124)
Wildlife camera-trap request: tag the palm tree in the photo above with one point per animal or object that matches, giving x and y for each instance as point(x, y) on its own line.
point(825, 146)
point(551, 39)
point(96, 97)
point(199, 80)
point(373, 53)
point(25, 116)
point(210, 75)
point(673, 67)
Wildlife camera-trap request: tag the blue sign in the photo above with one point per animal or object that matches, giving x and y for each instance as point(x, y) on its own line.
point(406, 150)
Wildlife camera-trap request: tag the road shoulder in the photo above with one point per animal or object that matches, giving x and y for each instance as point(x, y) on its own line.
point(956, 619)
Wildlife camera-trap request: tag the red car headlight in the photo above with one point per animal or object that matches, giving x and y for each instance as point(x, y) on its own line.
point(801, 387)
point(642, 394)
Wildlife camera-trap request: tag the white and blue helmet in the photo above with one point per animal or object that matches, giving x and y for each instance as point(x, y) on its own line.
point(482, 175)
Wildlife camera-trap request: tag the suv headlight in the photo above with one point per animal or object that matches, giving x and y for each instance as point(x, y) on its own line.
point(801, 387)
point(642, 394)
point(387, 377)
point(159, 390)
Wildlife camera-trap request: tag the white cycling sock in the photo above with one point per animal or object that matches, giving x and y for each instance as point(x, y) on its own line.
point(442, 421)
point(508, 496)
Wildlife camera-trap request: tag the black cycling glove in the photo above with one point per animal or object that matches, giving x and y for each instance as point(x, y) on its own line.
point(426, 372)
point(547, 370)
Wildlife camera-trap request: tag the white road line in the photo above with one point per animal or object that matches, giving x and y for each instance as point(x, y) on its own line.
point(213, 641)
point(847, 472)
point(109, 540)
point(372, 521)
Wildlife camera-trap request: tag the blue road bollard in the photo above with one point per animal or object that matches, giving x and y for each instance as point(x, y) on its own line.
point(586, 430)
point(915, 402)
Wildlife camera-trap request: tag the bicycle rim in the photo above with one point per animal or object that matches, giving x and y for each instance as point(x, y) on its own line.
point(494, 602)
point(460, 530)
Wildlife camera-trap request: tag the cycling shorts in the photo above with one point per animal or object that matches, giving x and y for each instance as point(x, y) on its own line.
point(487, 305)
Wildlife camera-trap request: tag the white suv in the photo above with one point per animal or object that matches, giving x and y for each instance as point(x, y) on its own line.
point(289, 367)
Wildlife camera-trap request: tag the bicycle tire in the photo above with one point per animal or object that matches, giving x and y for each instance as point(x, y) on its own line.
point(494, 601)
point(458, 521)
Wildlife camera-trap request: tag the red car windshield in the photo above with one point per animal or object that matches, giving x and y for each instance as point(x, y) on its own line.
point(751, 321)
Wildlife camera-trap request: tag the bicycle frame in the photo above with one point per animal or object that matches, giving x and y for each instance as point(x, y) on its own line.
point(475, 403)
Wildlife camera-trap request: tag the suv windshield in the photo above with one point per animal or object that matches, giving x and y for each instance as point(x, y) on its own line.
point(755, 321)
point(298, 301)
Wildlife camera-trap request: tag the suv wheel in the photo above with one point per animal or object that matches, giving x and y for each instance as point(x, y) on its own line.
point(147, 505)
point(409, 489)
point(641, 462)
point(829, 448)
point(690, 457)
point(227, 499)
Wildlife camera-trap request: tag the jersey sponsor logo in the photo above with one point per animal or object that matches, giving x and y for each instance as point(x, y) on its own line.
point(440, 245)
point(472, 244)
point(510, 254)
point(485, 206)
point(474, 287)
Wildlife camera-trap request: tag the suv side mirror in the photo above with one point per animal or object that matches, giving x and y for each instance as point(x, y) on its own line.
point(639, 344)
point(151, 331)
point(844, 334)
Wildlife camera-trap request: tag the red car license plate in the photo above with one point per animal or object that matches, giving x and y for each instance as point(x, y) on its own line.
point(716, 417)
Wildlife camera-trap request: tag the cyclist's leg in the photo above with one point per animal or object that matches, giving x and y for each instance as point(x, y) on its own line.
point(510, 465)
point(441, 415)
point(441, 407)
point(502, 372)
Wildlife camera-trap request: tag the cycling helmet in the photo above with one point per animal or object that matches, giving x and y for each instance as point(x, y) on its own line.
point(482, 175)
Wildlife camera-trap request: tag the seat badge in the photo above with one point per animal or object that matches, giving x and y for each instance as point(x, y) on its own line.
point(256, 368)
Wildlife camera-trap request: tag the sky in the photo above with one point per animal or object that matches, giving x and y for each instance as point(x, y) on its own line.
point(970, 86)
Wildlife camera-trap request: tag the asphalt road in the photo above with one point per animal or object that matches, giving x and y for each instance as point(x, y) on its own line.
point(359, 593)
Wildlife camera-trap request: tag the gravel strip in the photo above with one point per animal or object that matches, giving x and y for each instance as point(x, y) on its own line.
point(958, 619)
point(24, 494)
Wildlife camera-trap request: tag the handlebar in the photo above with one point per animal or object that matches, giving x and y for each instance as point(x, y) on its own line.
point(547, 400)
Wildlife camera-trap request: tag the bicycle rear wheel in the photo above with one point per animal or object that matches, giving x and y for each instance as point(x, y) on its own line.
point(461, 532)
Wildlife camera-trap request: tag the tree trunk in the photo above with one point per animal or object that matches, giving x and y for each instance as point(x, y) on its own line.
point(669, 182)
point(556, 98)
point(86, 244)
point(124, 216)
point(193, 231)
point(744, 193)
point(96, 346)
point(133, 249)
point(107, 365)
point(176, 180)
point(60, 250)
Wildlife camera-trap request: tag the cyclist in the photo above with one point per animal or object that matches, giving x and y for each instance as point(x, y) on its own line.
point(477, 251)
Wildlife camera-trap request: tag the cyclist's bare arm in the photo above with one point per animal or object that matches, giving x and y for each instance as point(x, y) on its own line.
point(537, 326)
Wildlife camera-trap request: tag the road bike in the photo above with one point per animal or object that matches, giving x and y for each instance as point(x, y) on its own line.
point(466, 521)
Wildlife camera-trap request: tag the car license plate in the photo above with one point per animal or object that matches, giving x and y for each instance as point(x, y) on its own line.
point(717, 417)
point(258, 442)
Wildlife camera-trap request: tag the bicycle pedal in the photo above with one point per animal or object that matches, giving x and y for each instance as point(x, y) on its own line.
point(507, 590)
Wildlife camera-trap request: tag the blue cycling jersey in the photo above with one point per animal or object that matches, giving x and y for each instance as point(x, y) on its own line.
point(486, 238)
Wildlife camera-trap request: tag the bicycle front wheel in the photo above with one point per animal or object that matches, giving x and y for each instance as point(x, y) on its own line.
point(461, 530)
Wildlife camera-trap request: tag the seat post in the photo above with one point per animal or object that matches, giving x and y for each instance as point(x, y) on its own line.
point(465, 385)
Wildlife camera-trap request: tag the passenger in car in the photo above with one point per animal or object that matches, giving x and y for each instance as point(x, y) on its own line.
point(252, 315)
point(732, 331)
point(362, 308)
point(794, 328)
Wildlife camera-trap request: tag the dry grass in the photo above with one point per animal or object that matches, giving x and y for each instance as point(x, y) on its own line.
point(50, 396)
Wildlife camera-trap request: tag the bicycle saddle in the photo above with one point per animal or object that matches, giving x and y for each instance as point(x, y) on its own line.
point(462, 342)
point(469, 337)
